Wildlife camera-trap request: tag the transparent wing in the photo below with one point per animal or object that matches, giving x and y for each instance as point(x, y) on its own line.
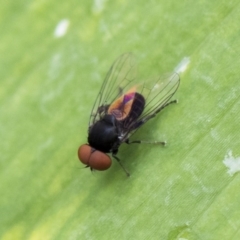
point(157, 93)
point(120, 77)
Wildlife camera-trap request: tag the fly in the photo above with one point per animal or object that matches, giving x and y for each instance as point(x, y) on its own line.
point(122, 106)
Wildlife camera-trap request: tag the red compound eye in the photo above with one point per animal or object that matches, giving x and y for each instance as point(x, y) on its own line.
point(94, 158)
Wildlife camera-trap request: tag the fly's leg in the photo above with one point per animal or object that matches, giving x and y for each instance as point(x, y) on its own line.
point(124, 169)
point(101, 110)
point(153, 115)
point(167, 104)
point(146, 142)
point(145, 120)
point(120, 91)
point(160, 109)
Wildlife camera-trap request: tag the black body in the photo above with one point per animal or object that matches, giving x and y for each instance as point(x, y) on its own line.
point(105, 135)
point(115, 118)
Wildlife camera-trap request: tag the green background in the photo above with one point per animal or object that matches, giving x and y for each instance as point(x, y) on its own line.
point(48, 85)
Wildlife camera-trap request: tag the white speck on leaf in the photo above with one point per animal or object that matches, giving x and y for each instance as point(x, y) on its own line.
point(61, 28)
point(182, 66)
point(233, 164)
point(156, 86)
point(98, 6)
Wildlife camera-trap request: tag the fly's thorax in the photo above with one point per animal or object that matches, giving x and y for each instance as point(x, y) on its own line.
point(103, 135)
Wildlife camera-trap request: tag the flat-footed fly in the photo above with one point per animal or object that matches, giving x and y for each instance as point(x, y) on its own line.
point(122, 106)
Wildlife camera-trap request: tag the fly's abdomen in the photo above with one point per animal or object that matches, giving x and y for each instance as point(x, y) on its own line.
point(128, 106)
point(137, 107)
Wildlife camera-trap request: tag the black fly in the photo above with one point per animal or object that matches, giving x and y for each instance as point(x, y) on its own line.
point(122, 106)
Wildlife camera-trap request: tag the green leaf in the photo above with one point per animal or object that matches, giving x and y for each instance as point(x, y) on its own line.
point(49, 81)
